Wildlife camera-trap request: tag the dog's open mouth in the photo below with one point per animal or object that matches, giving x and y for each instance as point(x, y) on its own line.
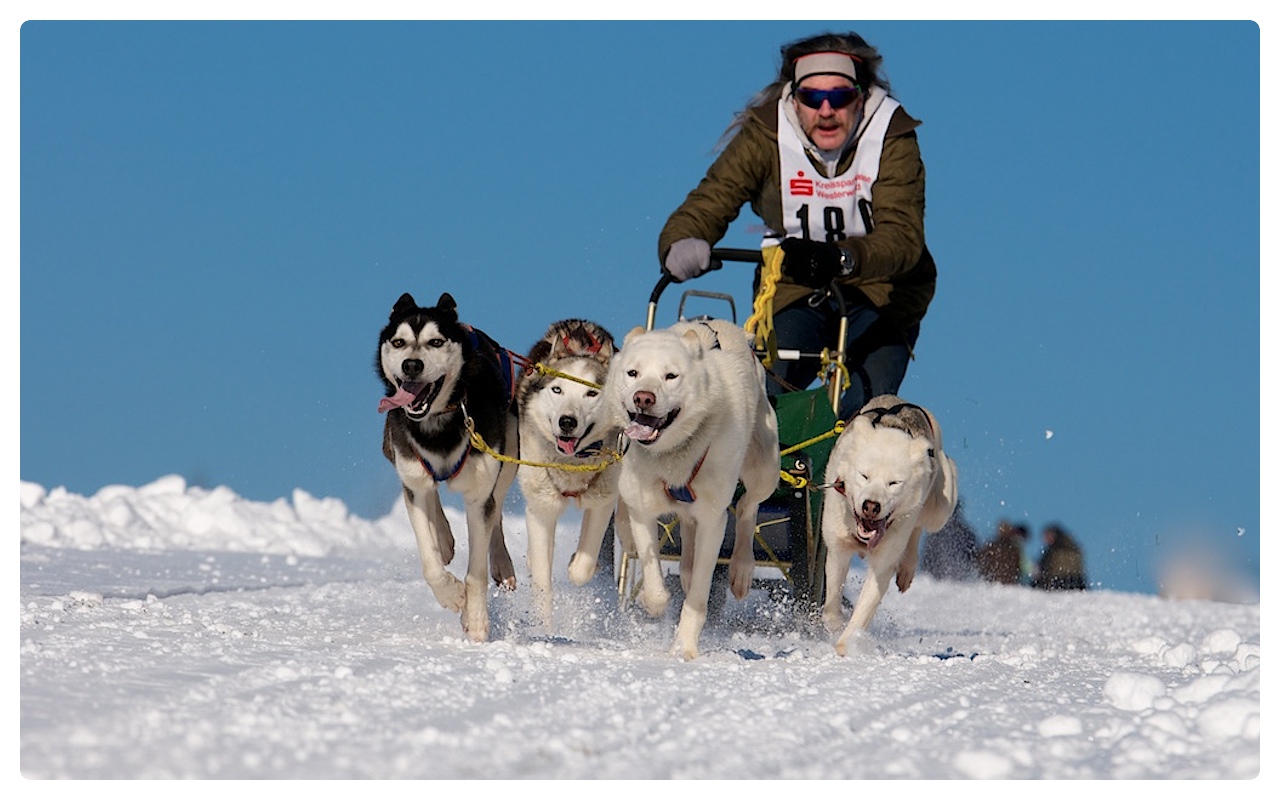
point(415, 397)
point(646, 429)
point(871, 531)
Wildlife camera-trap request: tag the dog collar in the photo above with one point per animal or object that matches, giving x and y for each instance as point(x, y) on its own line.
point(575, 495)
point(685, 494)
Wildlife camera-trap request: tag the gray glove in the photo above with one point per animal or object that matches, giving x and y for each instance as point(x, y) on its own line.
point(687, 258)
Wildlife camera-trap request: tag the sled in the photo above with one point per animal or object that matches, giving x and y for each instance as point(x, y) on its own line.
point(788, 549)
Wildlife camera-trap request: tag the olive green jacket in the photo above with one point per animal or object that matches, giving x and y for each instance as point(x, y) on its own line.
point(894, 268)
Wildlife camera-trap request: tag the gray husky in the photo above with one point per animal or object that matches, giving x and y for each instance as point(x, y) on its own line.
point(444, 379)
point(567, 450)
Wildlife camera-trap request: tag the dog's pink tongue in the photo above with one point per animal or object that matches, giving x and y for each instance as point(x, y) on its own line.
point(644, 428)
point(567, 445)
point(402, 397)
point(640, 432)
point(875, 532)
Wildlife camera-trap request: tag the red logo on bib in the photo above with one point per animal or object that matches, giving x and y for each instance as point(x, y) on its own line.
point(800, 185)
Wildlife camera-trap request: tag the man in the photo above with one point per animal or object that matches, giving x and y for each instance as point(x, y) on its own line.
point(1000, 560)
point(830, 162)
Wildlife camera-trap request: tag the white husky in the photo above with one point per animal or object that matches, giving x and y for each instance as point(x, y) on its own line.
point(692, 400)
point(566, 442)
point(888, 481)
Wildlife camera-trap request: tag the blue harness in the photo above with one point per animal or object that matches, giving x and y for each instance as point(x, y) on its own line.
point(507, 368)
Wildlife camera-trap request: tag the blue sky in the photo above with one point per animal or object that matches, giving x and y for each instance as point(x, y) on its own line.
point(216, 218)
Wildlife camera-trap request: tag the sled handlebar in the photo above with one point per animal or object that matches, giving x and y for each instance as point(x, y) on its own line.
point(719, 255)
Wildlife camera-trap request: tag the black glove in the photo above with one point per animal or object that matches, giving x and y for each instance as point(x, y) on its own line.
point(814, 264)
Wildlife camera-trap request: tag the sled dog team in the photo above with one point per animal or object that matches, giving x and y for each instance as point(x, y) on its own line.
point(670, 422)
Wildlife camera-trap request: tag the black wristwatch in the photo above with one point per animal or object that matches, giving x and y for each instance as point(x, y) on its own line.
point(846, 263)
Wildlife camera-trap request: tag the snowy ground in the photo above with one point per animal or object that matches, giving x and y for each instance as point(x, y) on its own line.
point(176, 632)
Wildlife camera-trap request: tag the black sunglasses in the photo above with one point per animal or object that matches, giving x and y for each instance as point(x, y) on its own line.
point(838, 98)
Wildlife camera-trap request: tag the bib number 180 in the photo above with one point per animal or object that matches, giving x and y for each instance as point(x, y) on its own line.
point(832, 222)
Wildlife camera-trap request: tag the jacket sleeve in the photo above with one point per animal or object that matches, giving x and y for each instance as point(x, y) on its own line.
point(895, 243)
point(733, 180)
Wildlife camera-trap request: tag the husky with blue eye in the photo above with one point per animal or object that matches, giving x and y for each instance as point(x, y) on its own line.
point(443, 380)
point(568, 450)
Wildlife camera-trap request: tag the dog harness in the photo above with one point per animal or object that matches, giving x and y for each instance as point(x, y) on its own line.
point(877, 414)
point(438, 478)
point(501, 359)
point(685, 494)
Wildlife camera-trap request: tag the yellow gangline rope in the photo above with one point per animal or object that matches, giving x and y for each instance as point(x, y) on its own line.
point(611, 457)
point(760, 323)
point(545, 370)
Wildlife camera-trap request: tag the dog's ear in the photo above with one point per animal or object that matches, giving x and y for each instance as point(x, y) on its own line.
point(944, 494)
point(692, 342)
point(636, 331)
point(937, 429)
point(595, 342)
point(558, 347)
point(404, 305)
point(540, 351)
point(605, 352)
point(447, 305)
point(861, 424)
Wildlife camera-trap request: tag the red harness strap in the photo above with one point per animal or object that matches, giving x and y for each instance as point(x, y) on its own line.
point(685, 494)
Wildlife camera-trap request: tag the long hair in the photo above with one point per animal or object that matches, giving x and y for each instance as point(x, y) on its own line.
point(849, 43)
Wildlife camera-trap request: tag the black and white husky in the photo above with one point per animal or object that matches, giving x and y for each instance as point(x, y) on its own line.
point(567, 449)
point(444, 379)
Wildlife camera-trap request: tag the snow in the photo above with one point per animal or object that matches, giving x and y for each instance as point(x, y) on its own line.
point(172, 631)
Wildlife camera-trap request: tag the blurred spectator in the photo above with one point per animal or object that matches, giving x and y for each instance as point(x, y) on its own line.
point(1062, 563)
point(1000, 560)
point(951, 553)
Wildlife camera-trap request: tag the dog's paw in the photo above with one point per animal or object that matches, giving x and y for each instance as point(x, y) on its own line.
point(655, 601)
point(833, 621)
point(476, 626)
point(507, 584)
point(856, 642)
point(683, 651)
point(475, 614)
point(502, 570)
point(740, 570)
point(906, 574)
point(688, 632)
point(449, 592)
point(582, 568)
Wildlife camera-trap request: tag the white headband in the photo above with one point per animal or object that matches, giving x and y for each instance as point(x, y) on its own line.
point(827, 64)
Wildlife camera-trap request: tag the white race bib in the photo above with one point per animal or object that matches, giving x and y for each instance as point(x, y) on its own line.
point(829, 209)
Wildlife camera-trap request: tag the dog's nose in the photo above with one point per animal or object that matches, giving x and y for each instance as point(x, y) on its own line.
point(870, 509)
point(644, 400)
point(568, 423)
point(412, 367)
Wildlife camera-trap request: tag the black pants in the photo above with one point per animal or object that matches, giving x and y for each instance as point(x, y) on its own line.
point(876, 352)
